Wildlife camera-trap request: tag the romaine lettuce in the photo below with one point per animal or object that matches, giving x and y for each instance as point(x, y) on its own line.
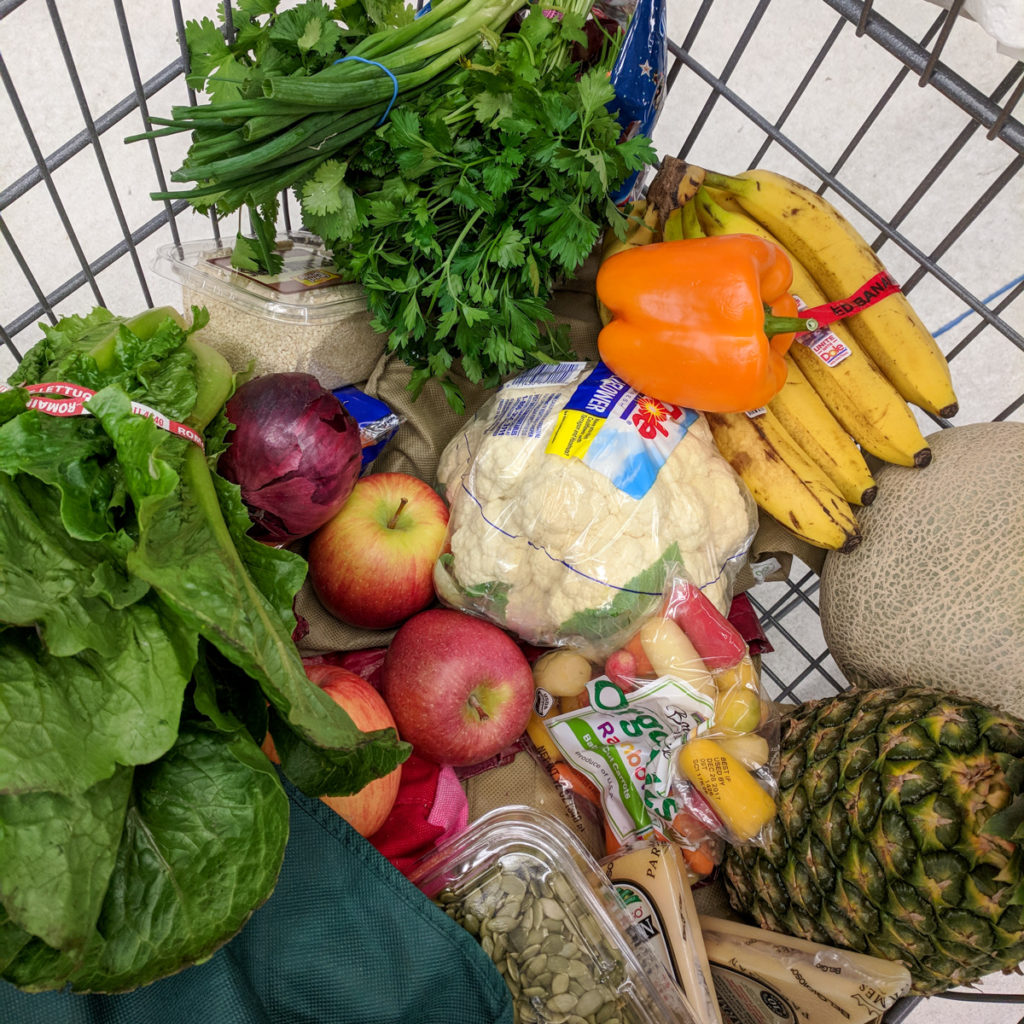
point(142, 636)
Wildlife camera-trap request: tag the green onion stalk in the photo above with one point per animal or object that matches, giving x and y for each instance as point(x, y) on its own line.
point(245, 152)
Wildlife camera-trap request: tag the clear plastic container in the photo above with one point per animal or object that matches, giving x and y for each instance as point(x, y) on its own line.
point(306, 318)
point(547, 915)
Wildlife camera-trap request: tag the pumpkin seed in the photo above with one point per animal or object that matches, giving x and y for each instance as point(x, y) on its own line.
point(537, 965)
point(590, 1002)
point(578, 969)
point(558, 963)
point(562, 1003)
point(552, 908)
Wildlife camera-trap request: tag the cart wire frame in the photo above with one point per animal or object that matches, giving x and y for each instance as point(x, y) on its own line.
point(782, 607)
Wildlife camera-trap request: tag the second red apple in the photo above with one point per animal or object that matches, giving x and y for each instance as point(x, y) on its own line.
point(460, 688)
point(372, 564)
point(367, 810)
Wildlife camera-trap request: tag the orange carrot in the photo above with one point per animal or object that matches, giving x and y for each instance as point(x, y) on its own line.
point(643, 663)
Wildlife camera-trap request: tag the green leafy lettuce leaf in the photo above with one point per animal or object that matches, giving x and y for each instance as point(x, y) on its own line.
point(127, 705)
point(201, 844)
point(58, 852)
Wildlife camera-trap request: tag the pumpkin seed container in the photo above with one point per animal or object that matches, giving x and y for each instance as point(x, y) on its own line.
point(306, 318)
point(544, 911)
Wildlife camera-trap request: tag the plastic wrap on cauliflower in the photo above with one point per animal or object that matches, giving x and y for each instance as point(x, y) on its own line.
point(572, 498)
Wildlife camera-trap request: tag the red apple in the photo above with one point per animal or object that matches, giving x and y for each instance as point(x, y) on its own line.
point(367, 810)
point(372, 564)
point(460, 688)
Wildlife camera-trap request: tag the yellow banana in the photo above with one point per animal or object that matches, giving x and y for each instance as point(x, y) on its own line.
point(674, 225)
point(689, 222)
point(858, 394)
point(837, 256)
point(811, 424)
point(784, 481)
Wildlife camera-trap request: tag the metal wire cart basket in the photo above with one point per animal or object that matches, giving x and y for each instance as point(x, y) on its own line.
point(901, 112)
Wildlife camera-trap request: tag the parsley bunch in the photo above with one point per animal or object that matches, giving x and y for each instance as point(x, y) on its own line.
point(457, 163)
point(461, 214)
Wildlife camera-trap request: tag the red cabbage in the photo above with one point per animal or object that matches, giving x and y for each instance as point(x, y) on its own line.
point(295, 452)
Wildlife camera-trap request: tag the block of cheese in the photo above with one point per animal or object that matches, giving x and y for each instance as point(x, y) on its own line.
point(652, 883)
point(762, 977)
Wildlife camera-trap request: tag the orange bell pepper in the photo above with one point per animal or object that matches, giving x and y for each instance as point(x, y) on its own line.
point(700, 322)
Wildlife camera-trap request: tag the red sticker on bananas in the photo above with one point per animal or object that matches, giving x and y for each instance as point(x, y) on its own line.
point(59, 398)
point(827, 345)
point(879, 287)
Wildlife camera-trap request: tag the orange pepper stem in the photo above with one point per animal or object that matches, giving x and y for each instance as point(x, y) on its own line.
point(786, 324)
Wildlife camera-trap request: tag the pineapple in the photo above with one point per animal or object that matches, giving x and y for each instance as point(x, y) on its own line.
point(896, 834)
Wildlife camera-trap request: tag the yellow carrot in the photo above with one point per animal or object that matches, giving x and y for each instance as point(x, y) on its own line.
point(742, 804)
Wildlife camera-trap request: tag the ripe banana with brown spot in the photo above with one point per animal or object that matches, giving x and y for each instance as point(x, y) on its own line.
point(841, 261)
point(810, 423)
point(783, 480)
point(858, 394)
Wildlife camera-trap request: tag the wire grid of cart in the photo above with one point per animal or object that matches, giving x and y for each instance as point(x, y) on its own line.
point(899, 111)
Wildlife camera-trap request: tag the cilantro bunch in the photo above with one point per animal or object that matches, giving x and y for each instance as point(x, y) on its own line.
point(460, 215)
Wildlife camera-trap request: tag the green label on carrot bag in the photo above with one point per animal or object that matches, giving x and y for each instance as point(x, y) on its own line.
point(624, 744)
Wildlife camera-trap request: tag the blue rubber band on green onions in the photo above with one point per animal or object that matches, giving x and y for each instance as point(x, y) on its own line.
point(394, 81)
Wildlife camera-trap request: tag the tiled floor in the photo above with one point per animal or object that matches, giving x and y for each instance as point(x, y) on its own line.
point(905, 144)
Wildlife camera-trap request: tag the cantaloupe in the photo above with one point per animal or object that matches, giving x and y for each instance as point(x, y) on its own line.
point(934, 594)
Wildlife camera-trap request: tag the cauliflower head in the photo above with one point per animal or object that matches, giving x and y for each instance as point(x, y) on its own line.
point(578, 550)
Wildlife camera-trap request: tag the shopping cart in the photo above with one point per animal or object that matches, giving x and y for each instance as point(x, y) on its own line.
point(902, 113)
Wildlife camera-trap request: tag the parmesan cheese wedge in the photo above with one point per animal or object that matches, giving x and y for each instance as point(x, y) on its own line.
point(762, 977)
point(652, 883)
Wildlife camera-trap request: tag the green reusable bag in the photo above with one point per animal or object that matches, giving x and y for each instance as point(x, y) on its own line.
point(343, 939)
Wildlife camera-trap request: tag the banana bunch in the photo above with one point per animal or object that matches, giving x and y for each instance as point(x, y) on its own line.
point(833, 411)
point(840, 261)
point(803, 457)
point(861, 398)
